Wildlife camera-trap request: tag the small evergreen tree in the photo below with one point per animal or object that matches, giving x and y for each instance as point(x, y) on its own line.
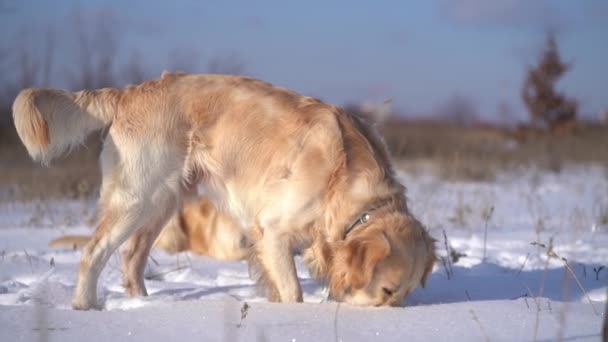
point(546, 106)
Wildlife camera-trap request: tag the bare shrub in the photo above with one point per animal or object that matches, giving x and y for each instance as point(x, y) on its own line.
point(547, 107)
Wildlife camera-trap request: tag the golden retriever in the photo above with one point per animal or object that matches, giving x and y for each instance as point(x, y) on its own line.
point(199, 228)
point(296, 171)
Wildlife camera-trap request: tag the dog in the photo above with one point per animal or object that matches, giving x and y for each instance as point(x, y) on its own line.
point(297, 172)
point(199, 227)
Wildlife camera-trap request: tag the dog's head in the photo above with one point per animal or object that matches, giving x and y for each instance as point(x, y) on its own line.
point(381, 260)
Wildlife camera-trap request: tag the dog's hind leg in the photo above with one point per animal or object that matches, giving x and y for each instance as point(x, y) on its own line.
point(134, 257)
point(127, 206)
point(114, 228)
point(135, 254)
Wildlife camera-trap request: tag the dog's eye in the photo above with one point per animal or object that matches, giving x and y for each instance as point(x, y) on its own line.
point(387, 291)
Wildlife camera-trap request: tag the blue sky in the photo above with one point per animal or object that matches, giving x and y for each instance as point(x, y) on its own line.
point(418, 53)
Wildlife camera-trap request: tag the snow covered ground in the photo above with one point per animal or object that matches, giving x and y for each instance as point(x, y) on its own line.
point(516, 293)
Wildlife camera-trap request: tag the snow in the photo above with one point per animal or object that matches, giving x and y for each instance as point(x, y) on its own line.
point(517, 293)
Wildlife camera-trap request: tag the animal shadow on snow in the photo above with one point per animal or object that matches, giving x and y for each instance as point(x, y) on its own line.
point(484, 281)
point(241, 292)
point(487, 281)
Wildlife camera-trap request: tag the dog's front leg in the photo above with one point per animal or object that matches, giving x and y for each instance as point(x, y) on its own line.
point(276, 255)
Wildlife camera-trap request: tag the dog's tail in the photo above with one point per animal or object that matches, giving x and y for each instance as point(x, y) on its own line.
point(70, 241)
point(51, 121)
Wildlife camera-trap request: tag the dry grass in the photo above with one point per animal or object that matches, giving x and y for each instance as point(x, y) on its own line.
point(74, 176)
point(481, 153)
point(551, 254)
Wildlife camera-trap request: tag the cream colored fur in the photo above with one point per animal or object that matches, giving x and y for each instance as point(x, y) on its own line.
point(290, 168)
point(67, 119)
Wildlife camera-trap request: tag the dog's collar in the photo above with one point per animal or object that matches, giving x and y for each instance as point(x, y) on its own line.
point(366, 216)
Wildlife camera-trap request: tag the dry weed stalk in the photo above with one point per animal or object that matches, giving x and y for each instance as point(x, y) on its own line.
point(542, 287)
point(605, 325)
point(244, 312)
point(597, 271)
point(483, 331)
point(523, 264)
point(485, 232)
point(447, 260)
point(536, 300)
point(552, 254)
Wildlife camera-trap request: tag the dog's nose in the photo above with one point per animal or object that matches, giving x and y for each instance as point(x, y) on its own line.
point(387, 291)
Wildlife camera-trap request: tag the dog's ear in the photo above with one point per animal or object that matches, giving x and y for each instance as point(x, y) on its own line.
point(355, 262)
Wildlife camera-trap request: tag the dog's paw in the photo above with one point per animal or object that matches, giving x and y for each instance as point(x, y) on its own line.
point(84, 305)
